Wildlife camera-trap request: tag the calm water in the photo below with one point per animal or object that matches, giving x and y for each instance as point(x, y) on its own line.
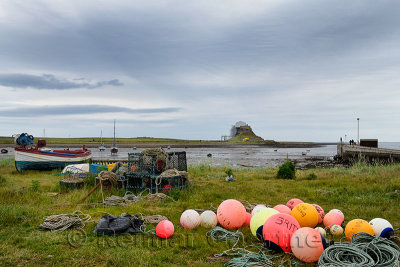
point(249, 156)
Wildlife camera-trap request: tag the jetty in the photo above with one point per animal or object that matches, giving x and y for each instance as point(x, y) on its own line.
point(371, 154)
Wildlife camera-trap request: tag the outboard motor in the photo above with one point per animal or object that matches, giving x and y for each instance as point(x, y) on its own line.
point(24, 139)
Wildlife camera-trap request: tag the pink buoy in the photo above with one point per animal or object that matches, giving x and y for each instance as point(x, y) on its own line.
point(307, 244)
point(248, 219)
point(321, 213)
point(231, 214)
point(165, 229)
point(282, 208)
point(190, 219)
point(278, 230)
point(332, 218)
point(293, 202)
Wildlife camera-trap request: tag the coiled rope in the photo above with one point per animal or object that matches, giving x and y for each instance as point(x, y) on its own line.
point(61, 222)
point(246, 257)
point(364, 250)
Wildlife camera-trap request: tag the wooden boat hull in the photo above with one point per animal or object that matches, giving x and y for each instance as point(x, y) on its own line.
point(37, 160)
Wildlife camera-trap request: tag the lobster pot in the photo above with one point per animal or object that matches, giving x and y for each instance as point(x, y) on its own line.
point(137, 182)
point(177, 160)
point(165, 185)
point(145, 165)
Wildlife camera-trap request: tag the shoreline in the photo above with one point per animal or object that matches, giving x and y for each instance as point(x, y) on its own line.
point(185, 144)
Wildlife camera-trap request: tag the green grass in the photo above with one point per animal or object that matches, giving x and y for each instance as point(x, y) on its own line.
point(361, 191)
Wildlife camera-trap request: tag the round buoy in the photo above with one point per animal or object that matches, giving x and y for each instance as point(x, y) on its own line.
point(208, 219)
point(339, 211)
point(322, 231)
point(332, 217)
point(257, 208)
point(307, 244)
point(282, 209)
point(293, 202)
point(165, 229)
point(248, 219)
point(321, 213)
point(358, 226)
point(259, 219)
point(382, 227)
point(336, 230)
point(231, 214)
point(278, 230)
point(305, 214)
point(190, 219)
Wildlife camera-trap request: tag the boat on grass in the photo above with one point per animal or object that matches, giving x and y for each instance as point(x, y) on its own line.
point(38, 157)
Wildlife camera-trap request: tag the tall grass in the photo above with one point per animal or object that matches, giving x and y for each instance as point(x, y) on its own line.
point(361, 191)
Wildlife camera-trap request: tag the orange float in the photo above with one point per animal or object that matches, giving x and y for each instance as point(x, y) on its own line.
point(231, 214)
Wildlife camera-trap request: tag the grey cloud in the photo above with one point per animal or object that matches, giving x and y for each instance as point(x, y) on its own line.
point(49, 81)
point(78, 110)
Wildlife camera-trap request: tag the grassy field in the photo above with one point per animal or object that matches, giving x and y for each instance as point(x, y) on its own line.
point(361, 191)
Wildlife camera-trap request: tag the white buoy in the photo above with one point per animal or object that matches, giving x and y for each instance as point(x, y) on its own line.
point(208, 219)
point(381, 227)
point(336, 230)
point(258, 208)
point(190, 219)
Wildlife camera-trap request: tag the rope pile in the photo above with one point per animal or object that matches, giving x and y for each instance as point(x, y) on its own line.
point(108, 176)
point(365, 250)
point(157, 196)
point(61, 222)
point(126, 200)
point(154, 219)
point(158, 152)
point(172, 173)
point(247, 257)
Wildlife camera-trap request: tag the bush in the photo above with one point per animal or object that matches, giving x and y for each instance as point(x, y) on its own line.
point(287, 170)
point(311, 176)
point(229, 172)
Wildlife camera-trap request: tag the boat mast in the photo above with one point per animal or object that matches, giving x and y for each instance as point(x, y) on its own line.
point(114, 133)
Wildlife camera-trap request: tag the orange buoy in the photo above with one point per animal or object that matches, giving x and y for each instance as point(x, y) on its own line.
point(307, 244)
point(305, 214)
point(231, 214)
point(282, 209)
point(165, 229)
point(248, 219)
point(321, 213)
point(358, 226)
point(332, 218)
point(278, 230)
point(293, 202)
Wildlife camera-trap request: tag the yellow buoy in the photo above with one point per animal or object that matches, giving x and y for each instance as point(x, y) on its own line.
point(259, 219)
point(358, 226)
point(305, 214)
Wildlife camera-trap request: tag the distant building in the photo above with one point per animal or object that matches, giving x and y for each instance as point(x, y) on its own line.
point(241, 127)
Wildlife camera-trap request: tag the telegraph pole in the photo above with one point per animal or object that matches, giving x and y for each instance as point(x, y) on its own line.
point(358, 131)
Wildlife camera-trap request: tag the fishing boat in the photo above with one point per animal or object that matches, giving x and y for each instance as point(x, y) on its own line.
point(38, 157)
point(114, 149)
point(102, 147)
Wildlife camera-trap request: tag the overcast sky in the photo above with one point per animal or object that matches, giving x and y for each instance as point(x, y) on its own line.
point(293, 70)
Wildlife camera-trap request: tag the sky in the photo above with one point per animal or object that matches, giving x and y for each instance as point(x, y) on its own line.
point(293, 70)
